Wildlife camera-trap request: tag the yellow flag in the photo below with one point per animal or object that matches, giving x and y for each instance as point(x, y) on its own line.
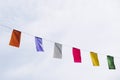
point(94, 59)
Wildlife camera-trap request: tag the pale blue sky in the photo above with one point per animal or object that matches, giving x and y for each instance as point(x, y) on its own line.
point(91, 25)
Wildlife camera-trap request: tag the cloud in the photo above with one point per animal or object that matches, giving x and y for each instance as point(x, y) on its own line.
point(91, 25)
point(17, 12)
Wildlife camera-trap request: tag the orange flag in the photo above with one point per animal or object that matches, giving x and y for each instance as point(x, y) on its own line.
point(15, 38)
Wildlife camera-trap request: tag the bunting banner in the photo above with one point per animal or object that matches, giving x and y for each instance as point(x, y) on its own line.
point(39, 44)
point(76, 55)
point(57, 51)
point(110, 60)
point(15, 38)
point(94, 59)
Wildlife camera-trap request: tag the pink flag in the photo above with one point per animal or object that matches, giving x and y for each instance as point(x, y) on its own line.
point(76, 55)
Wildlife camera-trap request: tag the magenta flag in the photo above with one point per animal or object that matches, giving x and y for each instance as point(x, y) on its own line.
point(77, 55)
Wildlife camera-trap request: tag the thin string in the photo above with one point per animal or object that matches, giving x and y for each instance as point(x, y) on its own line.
point(6, 27)
point(53, 41)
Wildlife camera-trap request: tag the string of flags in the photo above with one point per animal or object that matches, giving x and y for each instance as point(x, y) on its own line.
point(16, 39)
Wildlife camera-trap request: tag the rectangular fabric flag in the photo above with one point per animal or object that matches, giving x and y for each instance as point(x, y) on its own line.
point(57, 51)
point(110, 60)
point(94, 59)
point(76, 55)
point(15, 38)
point(39, 44)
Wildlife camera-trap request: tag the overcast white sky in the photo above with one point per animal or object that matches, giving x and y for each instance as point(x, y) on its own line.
point(91, 25)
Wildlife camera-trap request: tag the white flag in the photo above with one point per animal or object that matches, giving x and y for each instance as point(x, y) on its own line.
point(57, 51)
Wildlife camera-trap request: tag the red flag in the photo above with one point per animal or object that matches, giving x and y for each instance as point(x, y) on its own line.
point(15, 38)
point(77, 55)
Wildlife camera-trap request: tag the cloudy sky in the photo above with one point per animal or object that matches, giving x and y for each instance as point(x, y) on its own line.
point(91, 25)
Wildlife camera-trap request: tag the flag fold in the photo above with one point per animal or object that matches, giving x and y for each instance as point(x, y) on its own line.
point(57, 51)
point(76, 55)
point(15, 38)
point(39, 44)
point(110, 60)
point(94, 58)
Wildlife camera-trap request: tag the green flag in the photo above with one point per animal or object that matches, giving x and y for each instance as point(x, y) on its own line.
point(110, 60)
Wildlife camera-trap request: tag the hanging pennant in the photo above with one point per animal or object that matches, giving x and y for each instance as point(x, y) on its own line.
point(94, 59)
point(57, 51)
point(110, 61)
point(15, 38)
point(76, 55)
point(39, 44)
